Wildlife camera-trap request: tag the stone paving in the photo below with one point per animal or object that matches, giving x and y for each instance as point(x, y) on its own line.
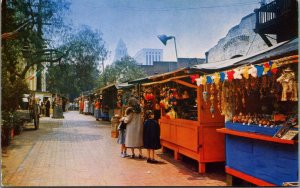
point(79, 151)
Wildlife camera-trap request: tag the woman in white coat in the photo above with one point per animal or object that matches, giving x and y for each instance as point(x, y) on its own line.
point(134, 127)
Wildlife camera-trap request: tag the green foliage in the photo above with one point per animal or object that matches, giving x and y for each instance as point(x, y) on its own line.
point(121, 71)
point(78, 71)
point(30, 22)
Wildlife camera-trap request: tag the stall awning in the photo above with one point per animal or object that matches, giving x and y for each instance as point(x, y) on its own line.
point(123, 85)
point(280, 49)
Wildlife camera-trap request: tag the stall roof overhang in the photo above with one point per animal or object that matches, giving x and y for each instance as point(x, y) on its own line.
point(156, 76)
point(276, 51)
point(117, 86)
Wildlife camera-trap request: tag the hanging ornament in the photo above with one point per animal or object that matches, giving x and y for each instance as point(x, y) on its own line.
point(289, 85)
point(260, 70)
point(204, 80)
point(237, 74)
point(253, 71)
point(216, 78)
point(230, 75)
point(243, 99)
point(208, 80)
point(246, 72)
point(193, 77)
point(205, 94)
point(274, 67)
point(199, 80)
point(266, 67)
point(222, 76)
point(212, 97)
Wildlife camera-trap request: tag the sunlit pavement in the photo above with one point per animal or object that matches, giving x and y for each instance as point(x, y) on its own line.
point(79, 151)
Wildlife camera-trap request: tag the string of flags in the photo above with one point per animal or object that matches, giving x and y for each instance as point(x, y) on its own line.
point(258, 70)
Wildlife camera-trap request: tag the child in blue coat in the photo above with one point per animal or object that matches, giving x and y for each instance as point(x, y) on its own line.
point(151, 136)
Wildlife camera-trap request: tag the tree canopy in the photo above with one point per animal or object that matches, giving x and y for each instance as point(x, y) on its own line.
point(78, 71)
point(26, 24)
point(123, 70)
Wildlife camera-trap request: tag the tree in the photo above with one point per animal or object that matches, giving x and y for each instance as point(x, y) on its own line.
point(79, 69)
point(123, 70)
point(25, 26)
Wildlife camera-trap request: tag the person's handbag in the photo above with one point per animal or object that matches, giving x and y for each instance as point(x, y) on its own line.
point(122, 125)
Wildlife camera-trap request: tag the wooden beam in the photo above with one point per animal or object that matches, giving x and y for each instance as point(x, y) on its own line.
point(185, 83)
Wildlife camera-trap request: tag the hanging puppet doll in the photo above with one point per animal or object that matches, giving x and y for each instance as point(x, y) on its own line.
point(289, 85)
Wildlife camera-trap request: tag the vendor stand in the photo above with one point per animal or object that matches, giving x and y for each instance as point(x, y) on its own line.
point(187, 123)
point(259, 98)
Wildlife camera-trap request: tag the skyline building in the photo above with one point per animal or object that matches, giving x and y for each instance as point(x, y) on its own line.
point(121, 50)
point(147, 56)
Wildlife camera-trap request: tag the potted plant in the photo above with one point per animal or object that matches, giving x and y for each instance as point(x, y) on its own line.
point(6, 128)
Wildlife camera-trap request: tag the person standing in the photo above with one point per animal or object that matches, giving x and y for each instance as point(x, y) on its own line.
point(97, 110)
point(151, 136)
point(121, 137)
point(134, 127)
point(48, 108)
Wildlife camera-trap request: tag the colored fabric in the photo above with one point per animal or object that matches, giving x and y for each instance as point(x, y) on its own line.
point(274, 67)
point(246, 72)
point(199, 81)
point(151, 134)
point(266, 67)
point(253, 71)
point(222, 76)
point(260, 70)
point(216, 78)
point(208, 79)
point(237, 74)
point(230, 75)
point(204, 80)
point(193, 77)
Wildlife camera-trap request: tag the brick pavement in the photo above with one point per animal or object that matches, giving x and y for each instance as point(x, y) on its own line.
point(78, 150)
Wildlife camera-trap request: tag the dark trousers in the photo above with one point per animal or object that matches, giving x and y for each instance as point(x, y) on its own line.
point(47, 112)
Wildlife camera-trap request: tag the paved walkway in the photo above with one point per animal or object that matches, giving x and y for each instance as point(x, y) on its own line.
point(79, 151)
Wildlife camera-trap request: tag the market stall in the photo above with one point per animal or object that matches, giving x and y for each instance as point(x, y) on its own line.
point(259, 99)
point(188, 119)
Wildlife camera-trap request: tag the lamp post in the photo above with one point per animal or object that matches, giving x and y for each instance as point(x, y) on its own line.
point(164, 38)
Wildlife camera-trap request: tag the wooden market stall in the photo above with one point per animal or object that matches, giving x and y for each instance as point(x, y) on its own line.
point(259, 98)
point(188, 120)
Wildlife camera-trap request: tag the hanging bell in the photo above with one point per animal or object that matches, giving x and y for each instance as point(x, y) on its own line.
point(205, 96)
point(212, 111)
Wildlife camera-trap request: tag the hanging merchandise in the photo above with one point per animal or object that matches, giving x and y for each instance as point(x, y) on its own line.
point(246, 72)
point(230, 75)
point(212, 97)
point(205, 94)
point(289, 85)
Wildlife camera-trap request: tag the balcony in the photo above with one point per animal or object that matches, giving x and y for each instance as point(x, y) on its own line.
point(279, 17)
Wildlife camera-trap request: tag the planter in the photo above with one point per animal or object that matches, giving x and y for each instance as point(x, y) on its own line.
point(6, 136)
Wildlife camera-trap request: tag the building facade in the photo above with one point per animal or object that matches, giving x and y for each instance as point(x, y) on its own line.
point(121, 50)
point(147, 56)
point(241, 40)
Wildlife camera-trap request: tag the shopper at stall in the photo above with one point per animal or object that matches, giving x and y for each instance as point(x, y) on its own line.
point(97, 109)
point(151, 136)
point(134, 128)
point(47, 108)
point(122, 136)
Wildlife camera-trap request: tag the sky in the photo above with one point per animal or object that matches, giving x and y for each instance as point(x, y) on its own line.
point(197, 25)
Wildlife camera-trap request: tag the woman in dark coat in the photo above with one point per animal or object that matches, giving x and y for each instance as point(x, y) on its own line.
point(151, 136)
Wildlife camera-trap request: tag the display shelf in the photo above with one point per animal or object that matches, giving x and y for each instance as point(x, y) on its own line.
point(247, 177)
point(255, 136)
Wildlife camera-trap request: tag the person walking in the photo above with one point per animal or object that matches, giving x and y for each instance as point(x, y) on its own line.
point(134, 127)
point(151, 136)
point(47, 108)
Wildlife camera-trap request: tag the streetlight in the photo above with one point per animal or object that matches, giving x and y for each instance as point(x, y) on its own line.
point(164, 39)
